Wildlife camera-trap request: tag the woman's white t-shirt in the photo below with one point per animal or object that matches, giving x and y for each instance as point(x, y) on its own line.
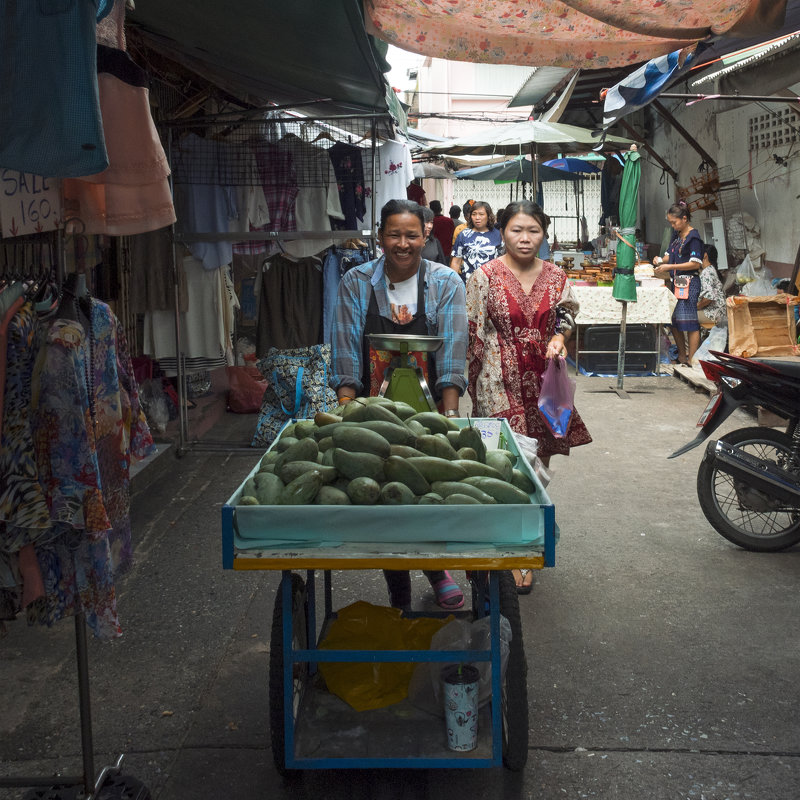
point(403, 299)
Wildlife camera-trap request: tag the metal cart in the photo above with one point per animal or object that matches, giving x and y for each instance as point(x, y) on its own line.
point(313, 729)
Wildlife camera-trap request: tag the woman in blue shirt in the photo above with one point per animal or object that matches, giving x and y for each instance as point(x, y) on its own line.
point(684, 257)
point(477, 244)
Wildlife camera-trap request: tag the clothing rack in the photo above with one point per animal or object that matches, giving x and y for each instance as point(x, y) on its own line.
point(228, 165)
point(34, 259)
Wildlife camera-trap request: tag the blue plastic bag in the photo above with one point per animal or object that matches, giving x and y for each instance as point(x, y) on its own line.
point(557, 396)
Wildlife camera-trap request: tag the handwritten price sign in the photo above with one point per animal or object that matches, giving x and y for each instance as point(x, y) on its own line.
point(28, 203)
point(490, 432)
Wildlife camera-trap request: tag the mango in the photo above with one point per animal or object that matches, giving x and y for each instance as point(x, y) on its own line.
point(330, 496)
point(501, 491)
point(399, 469)
point(363, 491)
point(358, 465)
point(395, 493)
point(361, 440)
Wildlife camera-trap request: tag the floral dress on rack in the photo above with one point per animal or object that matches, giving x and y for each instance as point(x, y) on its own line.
point(508, 336)
point(86, 424)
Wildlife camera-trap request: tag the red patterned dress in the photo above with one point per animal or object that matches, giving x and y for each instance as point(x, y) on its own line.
point(508, 335)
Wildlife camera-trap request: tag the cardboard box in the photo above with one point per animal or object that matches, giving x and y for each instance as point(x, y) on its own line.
point(762, 326)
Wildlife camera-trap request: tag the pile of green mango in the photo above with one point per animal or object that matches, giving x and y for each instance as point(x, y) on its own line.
point(375, 451)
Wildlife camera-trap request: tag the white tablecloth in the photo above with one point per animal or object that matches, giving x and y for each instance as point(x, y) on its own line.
point(654, 305)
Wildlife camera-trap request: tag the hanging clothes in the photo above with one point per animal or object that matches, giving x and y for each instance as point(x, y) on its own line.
point(49, 105)
point(205, 199)
point(151, 281)
point(205, 334)
point(132, 195)
point(317, 200)
point(348, 167)
point(337, 261)
point(395, 172)
point(290, 300)
point(24, 515)
point(72, 424)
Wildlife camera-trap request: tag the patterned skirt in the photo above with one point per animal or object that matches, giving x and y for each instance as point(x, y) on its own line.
point(684, 317)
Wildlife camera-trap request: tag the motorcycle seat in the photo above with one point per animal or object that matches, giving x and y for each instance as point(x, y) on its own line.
point(790, 368)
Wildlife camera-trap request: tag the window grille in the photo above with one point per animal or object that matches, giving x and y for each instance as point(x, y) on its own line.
point(773, 129)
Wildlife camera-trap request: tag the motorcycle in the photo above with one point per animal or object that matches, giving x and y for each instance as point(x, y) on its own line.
point(748, 483)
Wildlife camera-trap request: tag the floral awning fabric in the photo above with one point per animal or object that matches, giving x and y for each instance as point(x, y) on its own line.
point(584, 34)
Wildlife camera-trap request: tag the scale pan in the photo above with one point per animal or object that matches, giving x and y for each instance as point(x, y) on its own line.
point(402, 341)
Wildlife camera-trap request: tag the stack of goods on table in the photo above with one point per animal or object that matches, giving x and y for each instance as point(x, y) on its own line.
point(592, 274)
point(644, 274)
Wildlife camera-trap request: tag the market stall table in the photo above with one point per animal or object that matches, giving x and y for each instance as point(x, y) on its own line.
point(653, 307)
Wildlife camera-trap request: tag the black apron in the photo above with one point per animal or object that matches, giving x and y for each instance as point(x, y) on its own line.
point(375, 323)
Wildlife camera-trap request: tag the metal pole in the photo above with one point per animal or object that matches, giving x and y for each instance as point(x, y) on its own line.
point(84, 701)
point(183, 420)
point(374, 182)
point(621, 351)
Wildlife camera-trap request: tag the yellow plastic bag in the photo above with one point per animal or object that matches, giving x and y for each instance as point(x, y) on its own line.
point(363, 626)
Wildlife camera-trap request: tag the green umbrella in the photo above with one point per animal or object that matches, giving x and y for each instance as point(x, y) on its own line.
point(624, 281)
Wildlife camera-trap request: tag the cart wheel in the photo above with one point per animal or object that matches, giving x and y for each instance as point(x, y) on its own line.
point(123, 787)
point(57, 792)
point(515, 687)
point(299, 641)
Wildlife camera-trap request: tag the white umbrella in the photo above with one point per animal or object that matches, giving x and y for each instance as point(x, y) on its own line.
point(425, 169)
point(547, 139)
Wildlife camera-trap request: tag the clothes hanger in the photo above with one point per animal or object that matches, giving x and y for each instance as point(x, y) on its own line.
point(323, 135)
point(367, 135)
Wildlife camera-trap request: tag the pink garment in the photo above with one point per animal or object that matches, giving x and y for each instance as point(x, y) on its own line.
point(132, 195)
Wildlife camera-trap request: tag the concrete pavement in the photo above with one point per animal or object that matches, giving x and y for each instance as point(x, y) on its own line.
point(663, 660)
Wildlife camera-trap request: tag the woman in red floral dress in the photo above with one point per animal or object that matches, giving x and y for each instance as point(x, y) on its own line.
point(521, 310)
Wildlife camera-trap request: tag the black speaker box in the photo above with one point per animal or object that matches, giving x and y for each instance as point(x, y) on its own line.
point(599, 347)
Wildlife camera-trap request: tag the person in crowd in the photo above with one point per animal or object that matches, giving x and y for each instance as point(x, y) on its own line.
point(467, 210)
point(455, 215)
point(521, 311)
point(711, 305)
point(433, 247)
point(478, 244)
point(415, 192)
point(442, 226)
point(684, 257)
point(402, 293)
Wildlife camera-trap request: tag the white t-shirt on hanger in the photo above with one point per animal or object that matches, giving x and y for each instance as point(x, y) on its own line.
point(395, 172)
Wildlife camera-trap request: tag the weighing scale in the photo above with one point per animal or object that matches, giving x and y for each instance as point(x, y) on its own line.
point(401, 381)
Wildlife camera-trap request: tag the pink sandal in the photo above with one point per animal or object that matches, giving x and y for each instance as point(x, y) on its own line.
point(448, 595)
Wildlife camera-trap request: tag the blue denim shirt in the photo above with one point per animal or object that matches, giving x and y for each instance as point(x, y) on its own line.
point(445, 313)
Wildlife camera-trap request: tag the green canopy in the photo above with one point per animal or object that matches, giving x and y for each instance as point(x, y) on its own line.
point(624, 281)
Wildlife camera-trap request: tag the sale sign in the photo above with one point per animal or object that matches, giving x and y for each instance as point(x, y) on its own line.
point(28, 203)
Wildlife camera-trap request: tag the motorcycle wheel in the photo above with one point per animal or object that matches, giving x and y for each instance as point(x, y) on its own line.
point(724, 506)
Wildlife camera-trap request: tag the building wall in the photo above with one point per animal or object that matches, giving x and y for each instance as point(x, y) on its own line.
point(459, 88)
point(767, 190)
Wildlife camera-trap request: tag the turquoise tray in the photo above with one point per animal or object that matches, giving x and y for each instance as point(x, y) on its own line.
point(263, 527)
